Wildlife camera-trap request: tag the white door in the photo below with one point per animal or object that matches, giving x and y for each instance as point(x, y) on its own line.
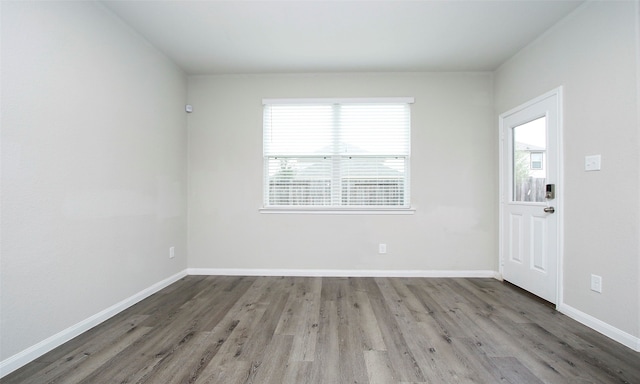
point(529, 218)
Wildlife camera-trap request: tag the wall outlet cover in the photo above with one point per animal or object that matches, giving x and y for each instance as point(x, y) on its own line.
point(592, 162)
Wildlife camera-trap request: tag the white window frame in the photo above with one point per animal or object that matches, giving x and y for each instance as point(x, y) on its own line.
point(346, 210)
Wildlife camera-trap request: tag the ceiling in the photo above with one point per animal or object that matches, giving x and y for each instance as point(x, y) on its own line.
point(226, 37)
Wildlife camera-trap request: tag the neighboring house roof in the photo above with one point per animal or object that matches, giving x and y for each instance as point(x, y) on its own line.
point(316, 171)
point(529, 147)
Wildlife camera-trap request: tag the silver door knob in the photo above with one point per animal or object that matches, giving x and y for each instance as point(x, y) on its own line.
point(549, 209)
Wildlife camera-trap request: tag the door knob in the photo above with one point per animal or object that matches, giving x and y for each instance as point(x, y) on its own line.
point(549, 209)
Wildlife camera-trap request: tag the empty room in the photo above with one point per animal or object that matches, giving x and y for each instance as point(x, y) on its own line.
point(320, 191)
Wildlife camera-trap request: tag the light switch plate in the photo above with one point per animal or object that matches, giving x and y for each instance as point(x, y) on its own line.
point(596, 283)
point(592, 162)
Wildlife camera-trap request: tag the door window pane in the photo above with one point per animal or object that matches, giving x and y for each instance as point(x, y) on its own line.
point(529, 152)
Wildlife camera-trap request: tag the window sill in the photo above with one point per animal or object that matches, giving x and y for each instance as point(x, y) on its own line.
point(339, 211)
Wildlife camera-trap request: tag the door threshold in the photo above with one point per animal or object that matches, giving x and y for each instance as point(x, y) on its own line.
point(530, 295)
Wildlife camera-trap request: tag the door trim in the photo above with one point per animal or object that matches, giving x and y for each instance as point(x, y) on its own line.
point(558, 202)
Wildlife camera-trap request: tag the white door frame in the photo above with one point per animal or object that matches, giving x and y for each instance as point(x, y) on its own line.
point(559, 200)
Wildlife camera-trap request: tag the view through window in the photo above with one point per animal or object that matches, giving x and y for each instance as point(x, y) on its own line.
point(336, 154)
point(529, 150)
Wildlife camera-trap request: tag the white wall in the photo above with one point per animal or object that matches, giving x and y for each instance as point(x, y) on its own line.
point(93, 167)
point(453, 177)
point(94, 149)
point(593, 54)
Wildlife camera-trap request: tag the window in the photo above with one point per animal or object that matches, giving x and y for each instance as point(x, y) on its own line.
point(340, 154)
point(536, 160)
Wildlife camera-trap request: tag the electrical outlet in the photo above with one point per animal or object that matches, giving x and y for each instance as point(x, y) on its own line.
point(172, 252)
point(592, 162)
point(596, 283)
point(382, 248)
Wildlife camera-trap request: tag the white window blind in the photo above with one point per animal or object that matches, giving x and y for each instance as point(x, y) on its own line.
point(337, 153)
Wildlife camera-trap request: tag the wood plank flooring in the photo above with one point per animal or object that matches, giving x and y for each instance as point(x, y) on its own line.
point(223, 329)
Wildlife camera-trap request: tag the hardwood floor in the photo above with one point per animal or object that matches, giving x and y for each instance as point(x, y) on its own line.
point(336, 330)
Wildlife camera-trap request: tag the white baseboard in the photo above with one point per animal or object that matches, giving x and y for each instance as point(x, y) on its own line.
point(21, 358)
point(340, 272)
point(606, 329)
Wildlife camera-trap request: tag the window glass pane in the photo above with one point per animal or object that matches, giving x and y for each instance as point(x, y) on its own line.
point(374, 129)
point(529, 149)
point(299, 181)
point(376, 181)
point(298, 130)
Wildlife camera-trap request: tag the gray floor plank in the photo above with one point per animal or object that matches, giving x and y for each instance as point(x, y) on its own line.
point(402, 359)
point(379, 367)
point(298, 330)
